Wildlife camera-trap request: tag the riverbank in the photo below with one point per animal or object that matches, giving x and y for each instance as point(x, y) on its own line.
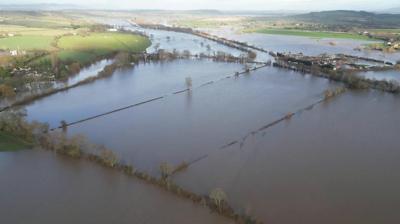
point(32, 55)
point(126, 60)
point(77, 147)
point(10, 143)
point(341, 68)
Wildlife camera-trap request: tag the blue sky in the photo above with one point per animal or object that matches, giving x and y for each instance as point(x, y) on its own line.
point(227, 4)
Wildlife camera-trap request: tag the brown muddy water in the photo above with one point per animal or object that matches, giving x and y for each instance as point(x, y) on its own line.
point(40, 187)
point(190, 125)
point(337, 163)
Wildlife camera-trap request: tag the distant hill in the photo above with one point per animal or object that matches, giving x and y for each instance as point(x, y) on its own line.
point(393, 10)
point(346, 18)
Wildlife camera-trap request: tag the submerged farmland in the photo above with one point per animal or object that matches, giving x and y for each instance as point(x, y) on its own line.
point(204, 140)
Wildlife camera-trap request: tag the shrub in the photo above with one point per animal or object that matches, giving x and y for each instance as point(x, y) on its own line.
point(186, 54)
point(123, 58)
point(108, 158)
point(182, 166)
point(6, 91)
point(218, 196)
point(74, 68)
point(166, 170)
point(333, 92)
point(4, 72)
point(252, 55)
point(58, 142)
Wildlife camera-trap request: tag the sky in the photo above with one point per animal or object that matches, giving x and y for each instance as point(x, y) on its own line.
point(307, 5)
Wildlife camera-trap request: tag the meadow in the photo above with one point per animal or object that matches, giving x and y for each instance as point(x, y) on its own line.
point(57, 45)
point(55, 20)
point(313, 34)
point(86, 49)
point(105, 42)
point(28, 42)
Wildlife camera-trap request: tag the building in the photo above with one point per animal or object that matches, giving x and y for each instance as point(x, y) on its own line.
point(14, 53)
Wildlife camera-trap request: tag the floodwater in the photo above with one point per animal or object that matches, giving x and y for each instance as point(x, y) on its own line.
point(38, 87)
point(181, 41)
point(125, 87)
point(169, 40)
point(90, 71)
point(39, 187)
point(307, 45)
point(190, 125)
point(391, 75)
point(336, 163)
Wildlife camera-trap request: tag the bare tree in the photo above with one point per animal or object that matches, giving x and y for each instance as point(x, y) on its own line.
point(218, 196)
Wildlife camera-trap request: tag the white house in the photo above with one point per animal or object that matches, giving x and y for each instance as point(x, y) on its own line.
point(14, 53)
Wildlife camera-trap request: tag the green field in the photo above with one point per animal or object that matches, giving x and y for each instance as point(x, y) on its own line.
point(393, 31)
point(10, 143)
point(28, 42)
point(83, 57)
point(313, 34)
point(105, 42)
point(35, 31)
point(39, 19)
point(86, 49)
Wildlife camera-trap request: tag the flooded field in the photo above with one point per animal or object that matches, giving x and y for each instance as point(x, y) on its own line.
point(335, 162)
point(308, 46)
point(39, 187)
point(90, 71)
point(125, 87)
point(180, 41)
point(332, 164)
point(382, 75)
point(187, 126)
point(171, 41)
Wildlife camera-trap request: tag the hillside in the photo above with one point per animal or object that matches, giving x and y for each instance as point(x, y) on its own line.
point(395, 10)
point(344, 18)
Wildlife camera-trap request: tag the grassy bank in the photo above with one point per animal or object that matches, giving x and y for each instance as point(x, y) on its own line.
point(105, 42)
point(88, 48)
point(313, 34)
point(10, 143)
